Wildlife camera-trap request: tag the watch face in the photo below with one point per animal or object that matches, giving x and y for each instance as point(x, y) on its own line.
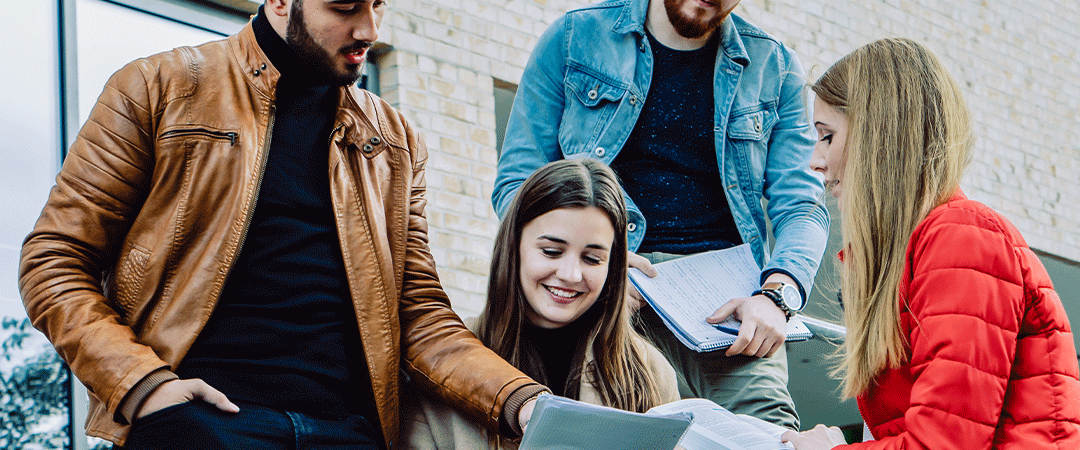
point(792, 297)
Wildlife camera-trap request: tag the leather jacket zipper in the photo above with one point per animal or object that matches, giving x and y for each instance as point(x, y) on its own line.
point(330, 143)
point(231, 136)
point(254, 197)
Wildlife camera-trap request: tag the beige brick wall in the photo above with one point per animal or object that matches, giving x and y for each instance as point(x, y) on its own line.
point(1018, 65)
point(441, 71)
point(1017, 62)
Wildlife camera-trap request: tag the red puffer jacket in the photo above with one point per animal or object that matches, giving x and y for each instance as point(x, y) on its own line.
point(992, 358)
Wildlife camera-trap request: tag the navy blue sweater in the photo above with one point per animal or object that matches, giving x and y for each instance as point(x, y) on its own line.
point(668, 165)
point(284, 333)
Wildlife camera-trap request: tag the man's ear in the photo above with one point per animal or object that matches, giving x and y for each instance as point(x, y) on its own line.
point(278, 8)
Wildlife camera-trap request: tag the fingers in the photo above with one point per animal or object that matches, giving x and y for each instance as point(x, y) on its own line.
point(743, 341)
point(820, 437)
point(757, 344)
point(768, 347)
point(725, 311)
point(763, 329)
point(634, 299)
point(775, 347)
point(788, 436)
point(202, 391)
point(835, 434)
point(753, 342)
point(639, 262)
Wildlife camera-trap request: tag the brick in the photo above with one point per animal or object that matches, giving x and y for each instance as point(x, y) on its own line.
point(1017, 64)
point(450, 164)
point(453, 110)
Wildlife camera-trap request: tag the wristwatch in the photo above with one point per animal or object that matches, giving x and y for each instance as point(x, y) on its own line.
point(786, 297)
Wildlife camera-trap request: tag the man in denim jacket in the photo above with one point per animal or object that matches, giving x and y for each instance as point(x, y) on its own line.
point(633, 83)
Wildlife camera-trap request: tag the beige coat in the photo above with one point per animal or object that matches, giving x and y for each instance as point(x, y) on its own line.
point(429, 424)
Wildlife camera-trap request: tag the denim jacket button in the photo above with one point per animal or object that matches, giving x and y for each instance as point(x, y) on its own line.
point(631, 227)
point(375, 140)
point(593, 94)
point(599, 151)
point(633, 99)
point(368, 148)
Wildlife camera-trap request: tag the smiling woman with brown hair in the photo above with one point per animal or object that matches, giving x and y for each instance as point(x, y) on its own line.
point(557, 306)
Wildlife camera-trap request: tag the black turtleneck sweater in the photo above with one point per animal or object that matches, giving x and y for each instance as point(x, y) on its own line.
point(558, 353)
point(284, 332)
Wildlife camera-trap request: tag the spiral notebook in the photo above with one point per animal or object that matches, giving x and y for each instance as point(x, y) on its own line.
point(689, 289)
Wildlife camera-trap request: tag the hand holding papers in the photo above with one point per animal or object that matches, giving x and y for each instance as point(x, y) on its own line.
point(689, 289)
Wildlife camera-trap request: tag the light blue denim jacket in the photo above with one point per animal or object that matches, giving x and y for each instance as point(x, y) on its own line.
point(583, 90)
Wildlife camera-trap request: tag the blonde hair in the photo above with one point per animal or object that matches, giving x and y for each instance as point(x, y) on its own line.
point(909, 141)
point(622, 377)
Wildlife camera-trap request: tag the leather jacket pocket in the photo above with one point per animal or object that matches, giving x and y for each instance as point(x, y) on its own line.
point(128, 279)
point(200, 132)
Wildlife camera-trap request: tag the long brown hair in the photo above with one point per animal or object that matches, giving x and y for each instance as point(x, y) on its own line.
point(909, 141)
point(622, 377)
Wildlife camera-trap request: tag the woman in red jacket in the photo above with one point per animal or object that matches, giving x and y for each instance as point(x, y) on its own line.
point(956, 338)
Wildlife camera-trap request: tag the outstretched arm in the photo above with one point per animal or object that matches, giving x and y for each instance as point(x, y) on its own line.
point(794, 191)
point(442, 355)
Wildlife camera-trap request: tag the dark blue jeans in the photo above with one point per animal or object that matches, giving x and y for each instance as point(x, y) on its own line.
point(197, 426)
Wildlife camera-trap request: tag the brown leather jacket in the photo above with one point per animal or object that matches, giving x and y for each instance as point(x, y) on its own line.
point(149, 212)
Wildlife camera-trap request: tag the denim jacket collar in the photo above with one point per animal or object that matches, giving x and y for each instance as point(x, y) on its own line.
point(632, 19)
point(732, 43)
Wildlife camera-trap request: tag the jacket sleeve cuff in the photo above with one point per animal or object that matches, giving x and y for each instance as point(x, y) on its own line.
point(508, 422)
point(135, 397)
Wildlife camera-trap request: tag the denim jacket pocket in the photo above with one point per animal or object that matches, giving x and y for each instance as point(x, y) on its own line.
point(591, 107)
point(748, 132)
point(753, 125)
point(590, 90)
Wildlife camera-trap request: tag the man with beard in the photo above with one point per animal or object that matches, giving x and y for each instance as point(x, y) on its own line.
point(702, 115)
point(235, 251)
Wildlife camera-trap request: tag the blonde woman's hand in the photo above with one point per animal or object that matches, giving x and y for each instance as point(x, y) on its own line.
point(636, 261)
point(818, 438)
